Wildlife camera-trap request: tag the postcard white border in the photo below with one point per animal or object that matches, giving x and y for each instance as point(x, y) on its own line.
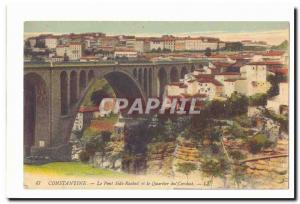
point(126, 11)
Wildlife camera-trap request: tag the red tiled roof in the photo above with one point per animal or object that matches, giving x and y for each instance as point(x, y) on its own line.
point(221, 64)
point(229, 73)
point(265, 63)
point(75, 43)
point(179, 84)
point(210, 80)
point(273, 53)
point(204, 76)
point(218, 56)
point(284, 71)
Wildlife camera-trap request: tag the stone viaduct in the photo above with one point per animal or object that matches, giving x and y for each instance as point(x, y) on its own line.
point(53, 94)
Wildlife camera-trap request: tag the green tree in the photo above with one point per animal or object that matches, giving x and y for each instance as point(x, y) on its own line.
point(169, 129)
point(91, 146)
point(274, 81)
point(234, 46)
point(258, 142)
point(236, 105)
point(215, 168)
point(84, 156)
point(207, 52)
point(236, 131)
point(237, 155)
point(258, 99)
point(106, 136)
point(98, 144)
point(217, 109)
point(282, 46)
point(238, 174)
point(186, 168)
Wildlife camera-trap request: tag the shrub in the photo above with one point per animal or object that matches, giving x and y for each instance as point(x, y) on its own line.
point(258, 142)
point(84, 156)
point(259, 99)
point(244, 121)
point(237, 155)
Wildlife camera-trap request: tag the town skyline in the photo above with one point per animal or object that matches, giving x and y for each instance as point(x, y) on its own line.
point(271, 32)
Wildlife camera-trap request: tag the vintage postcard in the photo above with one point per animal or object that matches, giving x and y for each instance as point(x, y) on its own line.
point(191, 108)
point(141, 105)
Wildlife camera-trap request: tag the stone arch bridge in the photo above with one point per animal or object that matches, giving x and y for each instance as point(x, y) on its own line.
point(53, 94)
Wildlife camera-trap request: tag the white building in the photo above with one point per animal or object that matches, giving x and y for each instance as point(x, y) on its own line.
point(51, 42)
point(169, 42)
point(280, 102)
point(156, 44)
point(61, 50)
point(139, 46)
point(253, 79)
point(197, 43)
point(229, 87)
point(176, 89)
point(57, 59)
point(125, 53)
point(211, 87)
point(32, 42)
point(75, 51)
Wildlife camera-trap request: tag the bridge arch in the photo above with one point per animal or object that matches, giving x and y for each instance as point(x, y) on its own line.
point(124, 84)
point(82, 81)
point(183, 72)
point(36, 110)
point(145, 81)
point(174, 76)
point(140, 76)
point(162, 81)
point(73, 87)
point(150, 81)
point(64, 93)
point(135, 73)
point(91, 75)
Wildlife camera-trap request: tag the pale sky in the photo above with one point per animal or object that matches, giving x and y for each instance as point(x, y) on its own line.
point(272, 32)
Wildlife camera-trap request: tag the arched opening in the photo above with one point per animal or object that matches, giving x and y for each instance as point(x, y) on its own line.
point(124, 86)
point(192, 68)
point(73, 87)
point(64, 93)
point(90, 76)
point(183, 72)
point(36, 119)
point(162, 81)
point(150, 82)
point(135, 73)
point(146, 81)
point(82, 81)
point(174, 75)
point(140, 76)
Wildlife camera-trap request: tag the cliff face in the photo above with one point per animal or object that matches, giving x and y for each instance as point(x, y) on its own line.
point(163, 158)
point(160, 158)
point(271, 172)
